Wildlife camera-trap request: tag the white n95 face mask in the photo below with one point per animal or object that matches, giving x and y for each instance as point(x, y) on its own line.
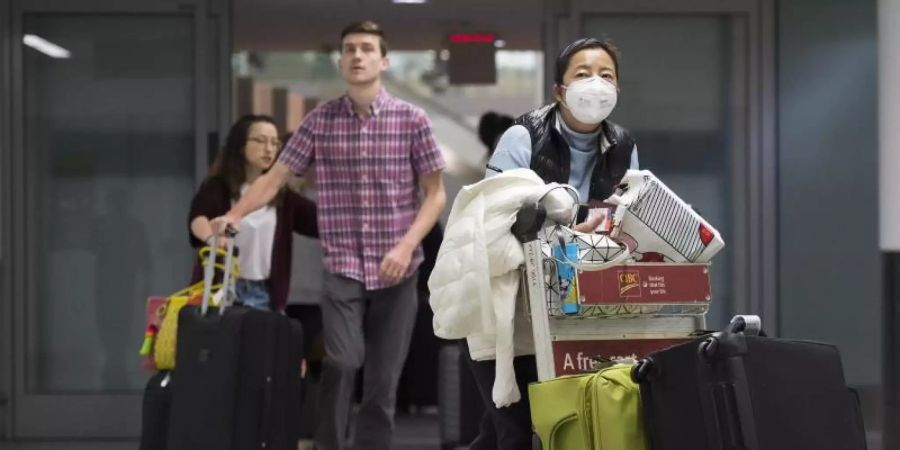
point(591, 100)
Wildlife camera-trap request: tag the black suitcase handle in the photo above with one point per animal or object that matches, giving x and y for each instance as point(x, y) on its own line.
point(641, 370)
point(744, 324)
point(747, 324)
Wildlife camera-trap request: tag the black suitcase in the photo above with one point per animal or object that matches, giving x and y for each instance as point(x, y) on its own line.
point(736, 390)
point(239, 380)
point(155, 411)
point(460, 406)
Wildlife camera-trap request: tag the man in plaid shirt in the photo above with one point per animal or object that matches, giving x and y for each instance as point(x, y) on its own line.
point(372, 153)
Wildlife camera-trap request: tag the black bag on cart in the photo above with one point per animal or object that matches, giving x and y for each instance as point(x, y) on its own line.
point(239, 379)
point(743, 391)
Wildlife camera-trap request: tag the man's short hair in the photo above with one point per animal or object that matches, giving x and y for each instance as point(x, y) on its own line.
point(366, 27)
point(562, 61)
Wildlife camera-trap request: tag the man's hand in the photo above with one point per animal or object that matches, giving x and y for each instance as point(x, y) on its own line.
point(227, 224)
point(394, 265)
point(588, 226)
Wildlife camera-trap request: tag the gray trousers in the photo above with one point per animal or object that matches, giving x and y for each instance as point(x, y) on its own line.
point(368, 329)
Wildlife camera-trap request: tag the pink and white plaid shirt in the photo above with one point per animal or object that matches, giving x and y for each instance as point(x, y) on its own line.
point(367, 173)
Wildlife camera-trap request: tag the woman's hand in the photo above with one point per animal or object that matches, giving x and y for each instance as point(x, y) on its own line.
point(225, 225)
point(588, 226)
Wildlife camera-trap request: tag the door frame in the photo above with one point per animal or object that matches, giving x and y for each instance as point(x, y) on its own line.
point(93, 415)
point(755, 271)
point(6, 334)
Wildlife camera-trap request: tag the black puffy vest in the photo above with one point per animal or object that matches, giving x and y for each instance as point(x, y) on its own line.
point(550, 154)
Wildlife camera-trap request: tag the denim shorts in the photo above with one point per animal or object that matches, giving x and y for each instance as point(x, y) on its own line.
point(253, 293)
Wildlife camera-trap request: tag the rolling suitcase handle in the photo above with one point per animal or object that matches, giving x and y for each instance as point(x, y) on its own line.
point(209, 273)
point(748, 324)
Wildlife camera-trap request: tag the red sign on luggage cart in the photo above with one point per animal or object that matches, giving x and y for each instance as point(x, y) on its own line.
point(577, 356)
point(647, 283)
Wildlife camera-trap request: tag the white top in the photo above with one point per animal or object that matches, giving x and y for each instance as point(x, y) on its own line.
point(254, 242)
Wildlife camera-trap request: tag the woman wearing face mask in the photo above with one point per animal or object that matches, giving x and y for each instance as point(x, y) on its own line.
point(569, 141)
point(265, 241)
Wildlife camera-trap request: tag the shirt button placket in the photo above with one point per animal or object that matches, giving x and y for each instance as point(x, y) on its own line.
point(364, 179)
point(363, 141)
point(364, 168)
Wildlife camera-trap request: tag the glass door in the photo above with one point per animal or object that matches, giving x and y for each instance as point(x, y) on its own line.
point(113, 109)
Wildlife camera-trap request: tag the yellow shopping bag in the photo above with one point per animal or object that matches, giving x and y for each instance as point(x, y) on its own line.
point(164, 348)
point(162, 328)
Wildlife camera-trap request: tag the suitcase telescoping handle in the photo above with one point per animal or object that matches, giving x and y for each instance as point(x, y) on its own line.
point(209, 271)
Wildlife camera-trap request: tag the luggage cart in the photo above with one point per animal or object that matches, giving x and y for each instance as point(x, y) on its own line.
point(627, 310)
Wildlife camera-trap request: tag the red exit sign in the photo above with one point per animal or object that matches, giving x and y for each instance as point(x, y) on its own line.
point(473, 38)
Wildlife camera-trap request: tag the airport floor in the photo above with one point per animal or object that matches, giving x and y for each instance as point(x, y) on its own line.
point(413, 432)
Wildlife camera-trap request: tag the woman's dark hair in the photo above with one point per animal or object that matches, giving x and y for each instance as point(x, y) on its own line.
point(562, 61)
point(231, 162)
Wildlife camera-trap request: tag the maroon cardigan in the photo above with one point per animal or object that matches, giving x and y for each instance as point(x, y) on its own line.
point(295, 214)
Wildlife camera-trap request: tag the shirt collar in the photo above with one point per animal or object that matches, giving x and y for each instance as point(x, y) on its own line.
point(378, 105)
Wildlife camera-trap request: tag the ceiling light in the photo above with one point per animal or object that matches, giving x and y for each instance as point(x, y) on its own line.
point(499, 43)
point(410, 2)
point(46, 47)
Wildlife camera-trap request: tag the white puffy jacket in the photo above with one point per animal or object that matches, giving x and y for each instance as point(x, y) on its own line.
point(475, 279)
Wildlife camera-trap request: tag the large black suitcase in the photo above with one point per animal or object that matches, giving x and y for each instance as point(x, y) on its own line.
point(736, 390)
point(238, 380)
